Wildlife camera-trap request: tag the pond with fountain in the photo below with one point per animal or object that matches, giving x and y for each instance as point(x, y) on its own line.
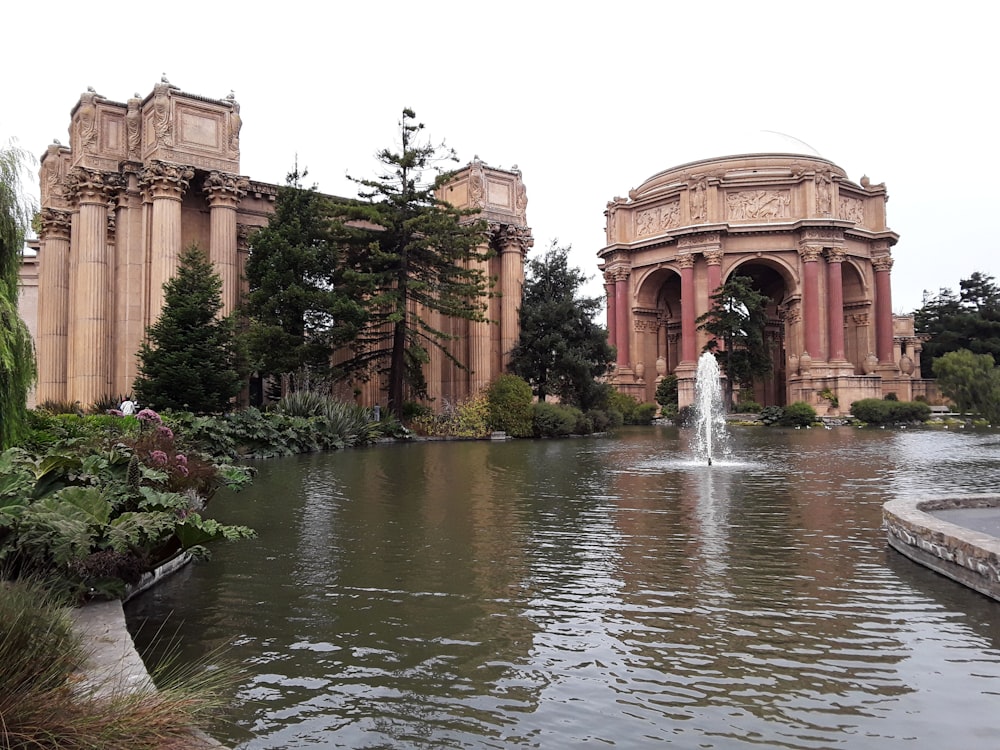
point(612, 590)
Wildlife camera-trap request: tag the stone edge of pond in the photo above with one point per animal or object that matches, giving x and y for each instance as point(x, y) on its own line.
point(969, 557)
point(113, 665)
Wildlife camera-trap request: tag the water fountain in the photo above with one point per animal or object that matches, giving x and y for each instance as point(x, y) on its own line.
point(712, 438)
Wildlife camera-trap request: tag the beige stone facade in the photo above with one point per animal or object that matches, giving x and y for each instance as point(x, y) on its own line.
point(141, 180)
point(814, 242)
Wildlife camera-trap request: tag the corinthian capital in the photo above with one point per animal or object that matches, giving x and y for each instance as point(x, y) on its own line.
point(85, 185)
point(882, 262)
point(685, 260)
point(55, 224)
point(713, 257)
point(223, 188)
point(810, 253)
point(835, 255)
point(514, 239)
point(163, 179)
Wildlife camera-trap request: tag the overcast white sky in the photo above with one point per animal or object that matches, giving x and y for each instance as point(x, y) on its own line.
point(587, 99)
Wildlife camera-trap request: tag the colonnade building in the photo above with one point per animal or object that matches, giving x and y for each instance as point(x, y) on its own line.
point(145, 178)
point(814, 242)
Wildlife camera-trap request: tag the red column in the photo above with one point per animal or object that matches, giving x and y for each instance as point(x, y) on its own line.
point(835, 303)
point(810, 299)
point(883, 309)
point(714, 260)
point(689, 349)
point(609, 289)
point(621, 317)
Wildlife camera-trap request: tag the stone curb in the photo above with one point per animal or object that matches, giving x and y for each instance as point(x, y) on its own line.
point(967, 556)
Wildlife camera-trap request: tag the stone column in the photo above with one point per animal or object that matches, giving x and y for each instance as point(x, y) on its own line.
point(689, 330)
point(810, 299)
point(514, 244)
point(53, 304)
point(165, 184)
point(224, 194)
point(835, 303)
point(479, 342)
point(89, 366)
point(621, 316)
point(883, 309)
point(609, 290)
point(714, 260)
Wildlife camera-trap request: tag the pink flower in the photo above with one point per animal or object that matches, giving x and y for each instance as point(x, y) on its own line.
point(148, 415)
point(165, 432)
point(181, 459)
point(159, 458)
point(182, 470)
point(114, 412)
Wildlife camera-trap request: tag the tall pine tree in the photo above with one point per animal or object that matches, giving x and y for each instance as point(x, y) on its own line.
point(301, 306)
point(410, 254)
point(190, 361)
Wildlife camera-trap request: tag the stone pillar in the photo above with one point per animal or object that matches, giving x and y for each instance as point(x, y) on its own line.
point(165, 184)
point(714, 260)
point(883, 309)
point(224, 194)
point(53, 307)
point(479, 343)
point(689, 330)
point(609, 289)
point(621, 317)
point(91, 298)
point(835, 303)
point(810, 300)
point(514, 244)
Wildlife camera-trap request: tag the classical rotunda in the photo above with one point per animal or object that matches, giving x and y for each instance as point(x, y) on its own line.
point(814, 242)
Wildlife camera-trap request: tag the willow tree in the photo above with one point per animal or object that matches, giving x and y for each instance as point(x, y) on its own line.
point(17, 357)
point(410, 254)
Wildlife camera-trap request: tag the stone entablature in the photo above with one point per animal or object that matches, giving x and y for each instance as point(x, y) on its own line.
point(814, 241)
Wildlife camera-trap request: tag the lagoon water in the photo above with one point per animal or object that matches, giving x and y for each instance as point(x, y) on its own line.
point(603, 591)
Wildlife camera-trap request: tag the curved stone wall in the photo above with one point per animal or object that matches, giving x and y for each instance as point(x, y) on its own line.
point(966, 555)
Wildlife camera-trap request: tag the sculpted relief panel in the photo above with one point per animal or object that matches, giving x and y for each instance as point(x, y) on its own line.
point(657, 220)
point(754, 205)
point(852, 209)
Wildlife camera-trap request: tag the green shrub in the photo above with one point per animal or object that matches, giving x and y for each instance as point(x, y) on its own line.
point(554, 420)
point(685, 416)
point(666, 393)
point(509, 402)
point(891, 396)
point(415, 410)
point(600, 420)
point(798, 414)
point(772, 415)
point(747, 407)
point(467, 419)
point(879, 411)
point(632, 410)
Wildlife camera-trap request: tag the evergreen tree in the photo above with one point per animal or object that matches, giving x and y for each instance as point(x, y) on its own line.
point(17, 358)
point(561, 351)
point(968, 321)
point(736, 321)
point(190, 361)
point(409, 254)
point(300, 308)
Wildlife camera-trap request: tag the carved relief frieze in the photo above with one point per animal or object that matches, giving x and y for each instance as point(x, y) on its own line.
point(754, 205)
point(163, 129)
point(826, 236)
point(646, 325)
point(235, 124)
point(477, 184)
point(86, 122)
point(698, 242)
point(520, 198)
point(852, 209)
point(860, 319)
point(698, 199)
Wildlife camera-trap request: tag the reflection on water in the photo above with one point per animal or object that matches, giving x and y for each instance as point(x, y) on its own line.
point(551, 593)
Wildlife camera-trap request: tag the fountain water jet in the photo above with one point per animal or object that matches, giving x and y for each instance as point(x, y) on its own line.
point(710, 416)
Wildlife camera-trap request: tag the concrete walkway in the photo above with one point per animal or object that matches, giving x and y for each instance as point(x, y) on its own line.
point(983, 520)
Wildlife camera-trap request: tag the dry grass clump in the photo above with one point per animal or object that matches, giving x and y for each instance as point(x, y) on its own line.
point(43, 704)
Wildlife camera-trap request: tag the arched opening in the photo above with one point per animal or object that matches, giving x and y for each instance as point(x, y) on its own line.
point(658, 326)
point(769, 279)
point(858, 340)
